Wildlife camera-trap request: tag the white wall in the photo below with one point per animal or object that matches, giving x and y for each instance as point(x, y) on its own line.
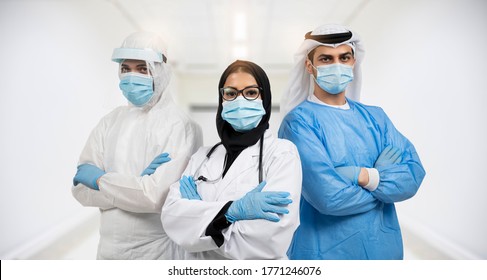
point(425, 65)
point(57, 81)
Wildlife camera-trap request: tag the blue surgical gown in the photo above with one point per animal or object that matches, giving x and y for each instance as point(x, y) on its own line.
point(340, 219)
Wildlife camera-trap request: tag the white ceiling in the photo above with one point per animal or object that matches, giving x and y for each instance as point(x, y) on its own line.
point(202, 34)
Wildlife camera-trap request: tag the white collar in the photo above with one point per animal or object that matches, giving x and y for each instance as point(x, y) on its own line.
point(314, 99)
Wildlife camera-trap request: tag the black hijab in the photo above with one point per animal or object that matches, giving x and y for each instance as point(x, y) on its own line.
point(233, 141)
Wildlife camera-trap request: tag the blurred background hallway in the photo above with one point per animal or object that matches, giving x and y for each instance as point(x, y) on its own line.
point(424, 65)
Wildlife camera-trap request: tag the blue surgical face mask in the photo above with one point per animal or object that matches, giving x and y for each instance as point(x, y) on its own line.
point(137, 88)
point(333, 78)
point(243, 115)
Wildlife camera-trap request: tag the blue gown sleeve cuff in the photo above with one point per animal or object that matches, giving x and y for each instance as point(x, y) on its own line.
point(374, 179)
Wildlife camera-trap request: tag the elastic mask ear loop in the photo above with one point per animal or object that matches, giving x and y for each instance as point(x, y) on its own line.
point(151, 67)
point(312, 74)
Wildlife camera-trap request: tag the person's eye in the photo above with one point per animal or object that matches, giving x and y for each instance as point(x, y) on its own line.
point(251, 92)
point(124, 70)
point(143, 70)
point(230, 93)
point(325, 59)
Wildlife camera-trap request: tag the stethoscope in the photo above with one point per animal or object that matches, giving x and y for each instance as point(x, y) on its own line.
point(208, 155)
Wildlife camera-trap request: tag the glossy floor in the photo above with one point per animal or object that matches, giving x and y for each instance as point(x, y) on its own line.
point(83, 245)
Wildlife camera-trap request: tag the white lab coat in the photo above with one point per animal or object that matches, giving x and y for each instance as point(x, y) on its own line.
point(123, 144)
point(186, 220)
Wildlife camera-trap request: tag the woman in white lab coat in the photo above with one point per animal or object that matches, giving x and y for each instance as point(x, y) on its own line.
point(240, 198)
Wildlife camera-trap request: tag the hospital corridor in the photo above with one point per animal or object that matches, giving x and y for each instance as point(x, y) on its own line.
point(63, 73)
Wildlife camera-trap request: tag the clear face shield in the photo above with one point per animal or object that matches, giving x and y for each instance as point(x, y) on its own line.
point(137, 70)
point(128, 58)
point(135, 67)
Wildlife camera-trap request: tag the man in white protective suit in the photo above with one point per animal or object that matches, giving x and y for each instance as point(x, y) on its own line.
point(135, 153)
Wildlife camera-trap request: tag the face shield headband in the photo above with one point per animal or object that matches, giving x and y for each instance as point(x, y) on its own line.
point(120, 54)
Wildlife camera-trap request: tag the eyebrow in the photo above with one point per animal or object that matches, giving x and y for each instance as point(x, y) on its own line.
point(138, 65)
point(251, 86)
point(324, 55)
point(329, 55)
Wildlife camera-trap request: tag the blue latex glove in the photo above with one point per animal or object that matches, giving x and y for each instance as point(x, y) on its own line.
point(87, 175)
point(188, 188)
point(259, 205)
point(388, 156)
point(160, 159)
point(350, 172)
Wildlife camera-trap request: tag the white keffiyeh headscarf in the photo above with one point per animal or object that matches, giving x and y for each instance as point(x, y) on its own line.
point(300, 84)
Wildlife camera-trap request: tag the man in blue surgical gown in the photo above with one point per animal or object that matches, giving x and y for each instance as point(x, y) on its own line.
point(356, 164)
